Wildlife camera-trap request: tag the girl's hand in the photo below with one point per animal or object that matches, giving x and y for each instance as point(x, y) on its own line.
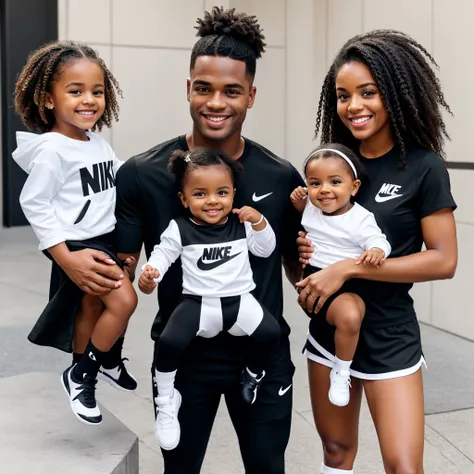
point(374, 257)
point(146, 281)
point(247, 214)
point(128, 264)
point(305, 248)
point(316, 288)
point(299, 194)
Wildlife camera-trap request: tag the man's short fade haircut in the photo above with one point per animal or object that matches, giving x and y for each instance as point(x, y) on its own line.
point(229, 34)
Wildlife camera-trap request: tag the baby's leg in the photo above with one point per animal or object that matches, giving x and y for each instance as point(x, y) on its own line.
point(254, 320)
point(345, 313)
point(179, 331)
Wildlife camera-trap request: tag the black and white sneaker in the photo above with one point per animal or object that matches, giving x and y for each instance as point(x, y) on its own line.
point(250, 385)
point(82, 397)
point(118, 377)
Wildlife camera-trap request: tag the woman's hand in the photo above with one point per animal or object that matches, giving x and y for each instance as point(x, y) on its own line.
point(316, 288)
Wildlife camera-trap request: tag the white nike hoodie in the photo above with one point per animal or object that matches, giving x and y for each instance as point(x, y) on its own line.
point(70, 190)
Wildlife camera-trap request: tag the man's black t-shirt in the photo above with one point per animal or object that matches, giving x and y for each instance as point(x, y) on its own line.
point(147, 200)
point(400, 198)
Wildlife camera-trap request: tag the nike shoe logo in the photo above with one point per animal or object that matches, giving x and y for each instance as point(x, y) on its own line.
point(379, 198)
point(282, 390)
point(202, 265)
point(256, 198)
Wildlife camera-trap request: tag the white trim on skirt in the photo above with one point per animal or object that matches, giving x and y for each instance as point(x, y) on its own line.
point(328, 361)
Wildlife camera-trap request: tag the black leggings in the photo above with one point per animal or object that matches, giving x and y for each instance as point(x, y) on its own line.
point(207, 317)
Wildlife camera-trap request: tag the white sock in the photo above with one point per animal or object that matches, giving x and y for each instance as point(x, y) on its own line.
point(332, 470)
point(342, 364)
point(165, 382)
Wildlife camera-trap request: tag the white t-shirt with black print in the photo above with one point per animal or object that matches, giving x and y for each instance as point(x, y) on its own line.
point(215, 258)
point(70, 191)
point(336, 237)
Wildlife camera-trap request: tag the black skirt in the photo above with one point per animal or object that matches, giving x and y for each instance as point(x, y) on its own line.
point(55, 326)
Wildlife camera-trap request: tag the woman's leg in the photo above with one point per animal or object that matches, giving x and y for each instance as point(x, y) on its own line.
point(397, 408)
point(338, 427)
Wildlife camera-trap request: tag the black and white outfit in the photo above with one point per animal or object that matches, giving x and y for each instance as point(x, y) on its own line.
point(217, 286)
point(69, 196)
point(389, 341)
point(336, 237)
point(211, 367)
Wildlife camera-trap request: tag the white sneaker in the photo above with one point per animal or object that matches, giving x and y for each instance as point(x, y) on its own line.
point(167, 429)
point(339, 394)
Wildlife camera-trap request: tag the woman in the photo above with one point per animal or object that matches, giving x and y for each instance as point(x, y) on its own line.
point(382, 99)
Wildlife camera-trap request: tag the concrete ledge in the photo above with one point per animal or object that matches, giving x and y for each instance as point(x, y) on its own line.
point(39, 433)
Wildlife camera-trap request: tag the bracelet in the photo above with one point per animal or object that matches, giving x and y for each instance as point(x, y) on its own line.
point(259, 221)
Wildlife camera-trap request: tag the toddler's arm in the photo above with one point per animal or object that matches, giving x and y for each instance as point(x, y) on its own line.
point(261, 239)
point(298, 197)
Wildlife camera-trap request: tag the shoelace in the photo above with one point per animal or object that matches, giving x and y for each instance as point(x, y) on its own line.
point(88, 389)
point(168, 410)
point(252, 382)
point(342, 382)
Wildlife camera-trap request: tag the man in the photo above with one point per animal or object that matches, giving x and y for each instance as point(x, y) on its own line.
point(220, 91)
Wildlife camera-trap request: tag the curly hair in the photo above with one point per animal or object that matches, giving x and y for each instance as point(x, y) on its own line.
point(229, 34)
point(410, 90)
point(183, 162)
point(42, 68)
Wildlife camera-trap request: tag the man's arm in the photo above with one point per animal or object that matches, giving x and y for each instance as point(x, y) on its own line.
point(128, 211)
point(292, 225)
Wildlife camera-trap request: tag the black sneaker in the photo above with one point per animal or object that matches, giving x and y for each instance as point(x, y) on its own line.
point(82, 397)
point(118, 377)
point(250, 386)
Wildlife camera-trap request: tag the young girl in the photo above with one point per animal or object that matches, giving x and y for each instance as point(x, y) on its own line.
point(64, 91)
point(213, 243)
point(382, 99)
point(339, 229)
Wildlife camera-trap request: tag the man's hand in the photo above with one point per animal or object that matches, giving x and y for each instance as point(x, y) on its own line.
point(146, 281)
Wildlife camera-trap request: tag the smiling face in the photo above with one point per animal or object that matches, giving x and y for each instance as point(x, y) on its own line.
point(361, 108)
point(219, 94)
point(208, 192)
point(331, 184)
point(77, 98)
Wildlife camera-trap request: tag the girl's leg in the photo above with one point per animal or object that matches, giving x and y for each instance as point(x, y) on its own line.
point(400, 428)
point(345, 313)
point(89, 312)
point(119, 306)
point(179, 331)
point(338, 427)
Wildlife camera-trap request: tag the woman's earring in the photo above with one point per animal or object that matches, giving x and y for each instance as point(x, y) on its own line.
point(50, 106)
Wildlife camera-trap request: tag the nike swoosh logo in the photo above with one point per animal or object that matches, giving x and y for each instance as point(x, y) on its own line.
point(282, 390)
point(379, 198)
point(256, 198)
point(211, 265)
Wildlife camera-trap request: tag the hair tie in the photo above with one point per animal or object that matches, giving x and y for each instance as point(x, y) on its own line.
point(337, 152)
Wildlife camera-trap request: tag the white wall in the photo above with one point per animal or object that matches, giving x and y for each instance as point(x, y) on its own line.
point(148, 46)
